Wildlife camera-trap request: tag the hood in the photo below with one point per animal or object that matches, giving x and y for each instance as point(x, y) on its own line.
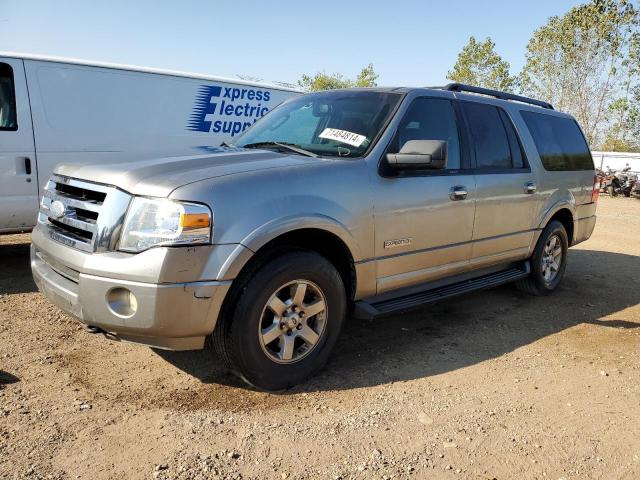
point(159, 177)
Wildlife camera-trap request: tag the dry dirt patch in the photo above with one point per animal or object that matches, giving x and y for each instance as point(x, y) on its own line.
point(491, 385)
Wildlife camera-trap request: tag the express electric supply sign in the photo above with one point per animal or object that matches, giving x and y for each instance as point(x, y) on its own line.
point(227, 110)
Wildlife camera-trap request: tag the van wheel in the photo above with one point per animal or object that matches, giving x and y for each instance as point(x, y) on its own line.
point(548, 262)
point(285, 321)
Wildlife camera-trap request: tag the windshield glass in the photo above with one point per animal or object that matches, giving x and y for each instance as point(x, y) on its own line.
point(337, 123)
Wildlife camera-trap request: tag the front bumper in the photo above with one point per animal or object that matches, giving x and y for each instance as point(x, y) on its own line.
point(173, 316)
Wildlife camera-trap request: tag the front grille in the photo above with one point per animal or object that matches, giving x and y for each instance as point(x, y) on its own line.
point(80, 192)
point(78, 232)
point(71, 210)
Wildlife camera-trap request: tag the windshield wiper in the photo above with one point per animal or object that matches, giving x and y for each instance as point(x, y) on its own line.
point(225, 144)
point(285, 145)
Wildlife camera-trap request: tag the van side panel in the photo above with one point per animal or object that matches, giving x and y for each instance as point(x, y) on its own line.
point(89, 114)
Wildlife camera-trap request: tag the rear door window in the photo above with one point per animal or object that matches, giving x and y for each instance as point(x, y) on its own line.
point(489, 136)
point(517, 155)
point(8, 120)
point(560, 142)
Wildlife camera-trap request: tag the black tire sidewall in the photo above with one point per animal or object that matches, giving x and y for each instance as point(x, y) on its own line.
point(251, 361)
point(554, 228)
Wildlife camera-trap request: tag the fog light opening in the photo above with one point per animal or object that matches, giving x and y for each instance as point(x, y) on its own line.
point(122, 302)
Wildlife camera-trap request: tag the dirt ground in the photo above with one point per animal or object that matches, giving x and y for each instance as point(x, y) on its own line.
point(493, 385)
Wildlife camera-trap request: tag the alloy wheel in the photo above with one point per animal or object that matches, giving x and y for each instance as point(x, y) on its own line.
point(551, 258)
point(293, 321)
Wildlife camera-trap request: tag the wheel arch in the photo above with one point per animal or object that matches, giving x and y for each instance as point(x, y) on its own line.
point(564, 213)
point(319, 234)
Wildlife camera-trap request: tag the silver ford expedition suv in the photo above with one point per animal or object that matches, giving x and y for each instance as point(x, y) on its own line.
point(357, 202)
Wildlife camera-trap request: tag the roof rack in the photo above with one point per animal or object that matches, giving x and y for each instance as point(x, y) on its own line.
point(461, 87)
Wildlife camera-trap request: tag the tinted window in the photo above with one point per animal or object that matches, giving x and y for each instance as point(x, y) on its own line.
point(7, 99)
point(489, 136)
point(517, 156)
point(432, 119)
point(559, 141)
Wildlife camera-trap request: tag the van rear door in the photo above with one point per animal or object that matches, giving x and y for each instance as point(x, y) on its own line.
point(18, 174)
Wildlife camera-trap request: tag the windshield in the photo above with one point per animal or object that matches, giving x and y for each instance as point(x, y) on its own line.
point(338, 123)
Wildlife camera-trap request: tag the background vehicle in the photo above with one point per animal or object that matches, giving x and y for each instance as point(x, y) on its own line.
point(635, 190)
point(384, 199)
point(616, 160)
point(61, 110)
point(619, 182)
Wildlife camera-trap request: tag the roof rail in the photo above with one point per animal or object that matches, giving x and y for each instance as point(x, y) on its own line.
point(461, 87)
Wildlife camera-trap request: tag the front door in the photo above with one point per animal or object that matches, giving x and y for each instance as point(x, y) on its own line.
point(18, 176)
point(424, 219)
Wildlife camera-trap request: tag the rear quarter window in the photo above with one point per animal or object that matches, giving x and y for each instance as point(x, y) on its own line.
point(560, 142)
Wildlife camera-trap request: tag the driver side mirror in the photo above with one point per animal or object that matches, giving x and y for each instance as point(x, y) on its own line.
point(419, 154)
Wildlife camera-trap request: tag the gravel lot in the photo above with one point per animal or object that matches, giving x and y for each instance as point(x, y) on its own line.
point(491, 385)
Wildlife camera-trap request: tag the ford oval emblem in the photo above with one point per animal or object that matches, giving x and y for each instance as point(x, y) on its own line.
point(57, 209)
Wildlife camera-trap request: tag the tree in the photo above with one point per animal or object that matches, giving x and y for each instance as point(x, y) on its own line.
point(323, 81)
point(624, 130)
point(367, 77)
point(623, 133)
point(478, 64)
point(577, 62)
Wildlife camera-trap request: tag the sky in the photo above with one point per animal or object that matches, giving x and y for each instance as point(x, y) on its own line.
point(410, 43)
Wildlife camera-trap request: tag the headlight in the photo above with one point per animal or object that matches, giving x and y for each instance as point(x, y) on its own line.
point(153, 222)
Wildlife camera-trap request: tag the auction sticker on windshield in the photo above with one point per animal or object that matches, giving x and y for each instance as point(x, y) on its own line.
point(343, 136)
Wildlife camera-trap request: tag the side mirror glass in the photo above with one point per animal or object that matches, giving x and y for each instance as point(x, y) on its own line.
point(420, 154)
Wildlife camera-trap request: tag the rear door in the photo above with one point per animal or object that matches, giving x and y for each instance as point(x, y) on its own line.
point(18, 176)
point(506, 196)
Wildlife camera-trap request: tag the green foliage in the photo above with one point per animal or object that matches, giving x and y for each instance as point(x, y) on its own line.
point(624, 131)
point(478, 64)
point(612, 144)
point(367, 77)
point(323, 81)
point(580, 61)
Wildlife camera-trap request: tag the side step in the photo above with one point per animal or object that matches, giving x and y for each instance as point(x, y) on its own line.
point(370, 309)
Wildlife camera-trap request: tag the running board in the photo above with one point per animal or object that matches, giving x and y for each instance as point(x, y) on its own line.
point(370, 309)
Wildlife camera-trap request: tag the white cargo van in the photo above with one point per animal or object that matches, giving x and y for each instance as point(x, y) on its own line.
point(56, 110)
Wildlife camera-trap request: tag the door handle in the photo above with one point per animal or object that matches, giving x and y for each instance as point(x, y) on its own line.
point(27, 165)
point(458, 192)
point(530, 187)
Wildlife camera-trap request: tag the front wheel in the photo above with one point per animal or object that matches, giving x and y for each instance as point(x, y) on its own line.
point(285, 321)
point(548, 262)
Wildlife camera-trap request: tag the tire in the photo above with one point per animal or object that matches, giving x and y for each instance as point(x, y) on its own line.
point(247, 337)
point(540, 282)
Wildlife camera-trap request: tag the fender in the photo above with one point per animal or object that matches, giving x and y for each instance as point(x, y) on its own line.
point(566, 201)
point(262, 235)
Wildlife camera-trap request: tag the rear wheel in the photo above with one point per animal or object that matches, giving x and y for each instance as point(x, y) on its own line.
point(548, 262)
point(285, 321)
